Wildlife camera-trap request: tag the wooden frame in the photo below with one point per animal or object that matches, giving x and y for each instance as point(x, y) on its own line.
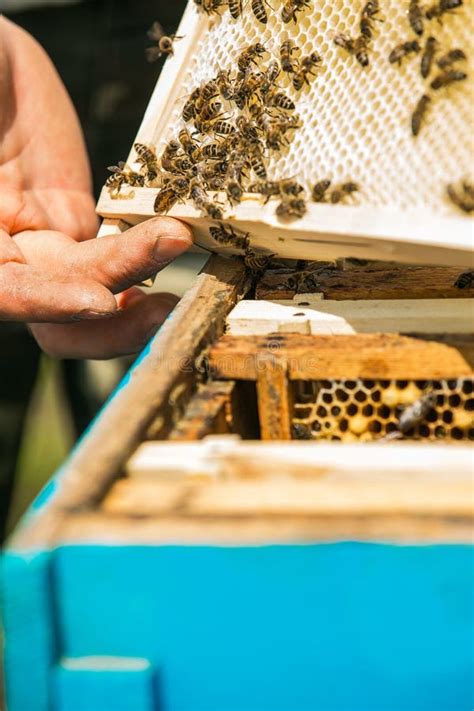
point(327, 231)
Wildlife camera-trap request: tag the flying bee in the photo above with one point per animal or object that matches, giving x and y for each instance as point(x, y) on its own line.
point(249, 55)
point(448, 59)
point(225, 85)
point(403, 50)
point(295, 207)
point(465, 280)
point(428, 56)
point(319, 191)
point(257, 262)
point(168, 196)
point(308, 65)
point(447, 78)
point(225, 234)
point(259, 11)
point(462, 197)
point(419, 114)
point(438, 9)
point(235, 8)
point(416, 414)
point(287, 49)
point(415, 17)
point(344, 191)
point(280, 101)
point(190, 107)
point(146, 156)
point(165, 43)
point(291, 8)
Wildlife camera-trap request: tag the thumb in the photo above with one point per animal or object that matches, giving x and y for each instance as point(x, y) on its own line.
point(29, 295)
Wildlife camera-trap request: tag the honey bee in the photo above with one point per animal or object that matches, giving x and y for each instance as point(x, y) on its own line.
point(344, 41)
point(287, 49)
point(438, 9)
point(447, 78)
point(188, 143)
point(257, 262)
point(201, 199)
point(165, 43)
point(291, 8)
point(403, 50)
point(415, 17)
point(416, 414)
point(223, 128)
point(235, 8)
point(295, 207)
point(361, 53)
point(448, 59)
point(225, 85)
point(249, 55)
point(289, 186)
point(146, 156)
point(368, 15)
point(169, 195)
point(234, 191)
point(344, 191)
point(319, 191)
point(248, 131)
point(258, 166)
point(259, 11)
point(419, 114)
point(225, 234)
point(268, 188)
point(210, 111)
point(190, 107)
point(428, 56)
point(308, 65)
point(170, 153)
point(210, 7)
point(462, 197)
point(280, 101)
point(465, 280)
point(122, 175)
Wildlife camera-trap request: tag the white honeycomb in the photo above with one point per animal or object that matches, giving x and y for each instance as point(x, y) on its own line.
point(357, 120)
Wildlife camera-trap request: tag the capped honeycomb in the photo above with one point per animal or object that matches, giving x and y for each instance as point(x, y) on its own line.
point(356, 120)
point(366, 410)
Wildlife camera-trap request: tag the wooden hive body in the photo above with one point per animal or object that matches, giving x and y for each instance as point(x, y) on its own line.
point(238, 531)
point(172, 564)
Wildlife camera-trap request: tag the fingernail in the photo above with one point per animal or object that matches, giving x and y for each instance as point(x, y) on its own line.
point(167, 248)
point(89, 315)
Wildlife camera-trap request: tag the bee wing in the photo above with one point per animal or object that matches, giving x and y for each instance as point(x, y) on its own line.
point(153, 53)
point(114, 168)
point(156, 31)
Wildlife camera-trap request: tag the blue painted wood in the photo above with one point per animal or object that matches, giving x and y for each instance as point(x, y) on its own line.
point(333, 627)
point(30, 647)
point(94, 687)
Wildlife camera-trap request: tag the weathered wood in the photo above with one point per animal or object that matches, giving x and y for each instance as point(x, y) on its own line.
point(373, 281)
point(259, 318)
point(344, 497)
point(355, 356)
point(206, 412)
point(275, 405)
point(230, 458)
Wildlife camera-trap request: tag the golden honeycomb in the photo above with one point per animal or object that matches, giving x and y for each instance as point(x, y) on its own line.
point(356, 119)
point(366, 410)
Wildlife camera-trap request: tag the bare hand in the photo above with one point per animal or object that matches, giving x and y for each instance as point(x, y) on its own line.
point(50, 269)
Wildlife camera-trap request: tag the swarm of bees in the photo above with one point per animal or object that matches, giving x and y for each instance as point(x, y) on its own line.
point(360, 45)
point(448, 74)
point(290, 10)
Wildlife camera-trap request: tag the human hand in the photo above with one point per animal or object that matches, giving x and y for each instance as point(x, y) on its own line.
point(50, 271)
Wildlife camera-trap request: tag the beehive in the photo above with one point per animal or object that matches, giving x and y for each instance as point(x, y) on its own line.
point(355, 126)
